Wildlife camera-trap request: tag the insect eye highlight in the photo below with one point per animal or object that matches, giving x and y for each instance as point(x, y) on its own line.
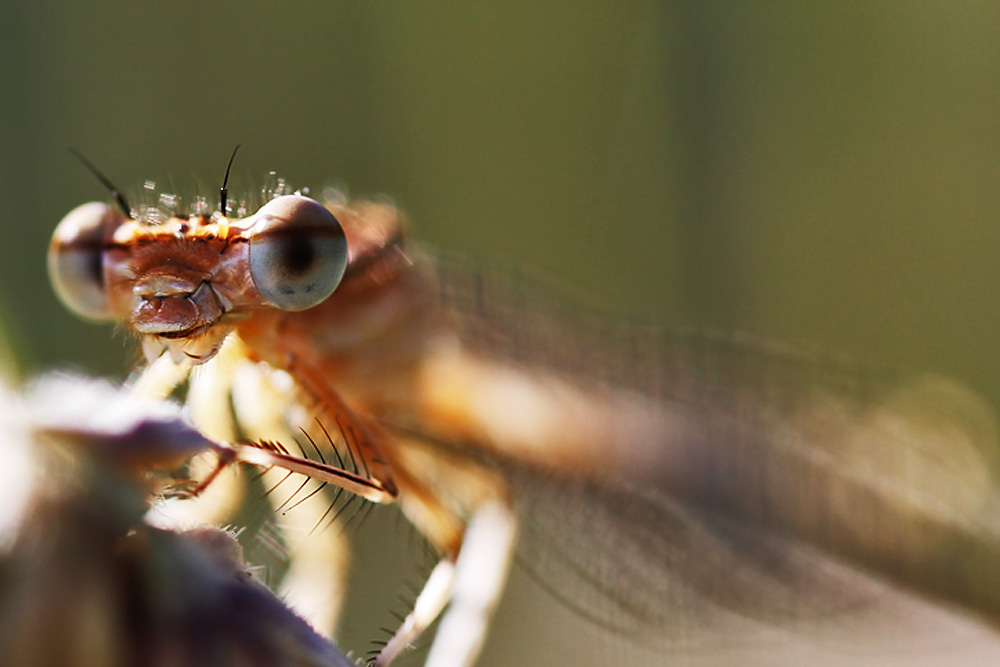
point(298, 252)
point(75, 260)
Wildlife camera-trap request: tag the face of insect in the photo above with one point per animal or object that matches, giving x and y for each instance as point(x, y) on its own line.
point(181, 283)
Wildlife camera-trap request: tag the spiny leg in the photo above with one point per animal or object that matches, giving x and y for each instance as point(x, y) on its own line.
point(469, 586)
point(315, 583)
point(260, 410)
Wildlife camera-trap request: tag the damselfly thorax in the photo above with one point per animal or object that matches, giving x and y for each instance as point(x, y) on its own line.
point(697, 477)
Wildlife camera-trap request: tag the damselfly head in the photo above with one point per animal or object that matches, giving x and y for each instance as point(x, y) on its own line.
point(183, 280)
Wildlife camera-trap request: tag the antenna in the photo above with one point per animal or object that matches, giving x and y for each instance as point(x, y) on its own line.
point(224, 190)
point(108, 185)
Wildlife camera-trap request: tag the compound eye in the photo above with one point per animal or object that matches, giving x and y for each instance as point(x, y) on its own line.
point(76, 269)
point(298, 252)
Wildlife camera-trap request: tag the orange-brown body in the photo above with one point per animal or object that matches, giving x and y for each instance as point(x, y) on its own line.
point(727, 474)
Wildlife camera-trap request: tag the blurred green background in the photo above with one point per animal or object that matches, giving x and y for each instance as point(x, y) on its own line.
point(822, 173)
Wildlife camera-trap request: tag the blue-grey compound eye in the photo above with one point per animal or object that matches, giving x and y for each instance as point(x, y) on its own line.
point(298, 252)
point(76, 260)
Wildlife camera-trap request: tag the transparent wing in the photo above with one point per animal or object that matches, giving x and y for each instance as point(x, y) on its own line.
point(784, 488)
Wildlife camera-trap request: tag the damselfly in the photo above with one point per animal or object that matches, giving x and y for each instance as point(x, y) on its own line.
point(686, 486)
